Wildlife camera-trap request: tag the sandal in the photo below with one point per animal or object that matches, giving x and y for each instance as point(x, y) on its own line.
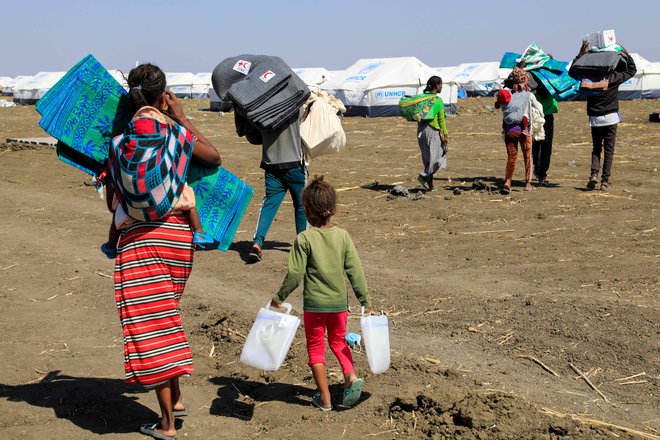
point(505, 191)
point(422, 181)
point(353, 393)
point(109, 252)
point(255, 254)
point(316, 401)
point(591, 185)
point(202, 240)
point(179, 413)
point(150, 430)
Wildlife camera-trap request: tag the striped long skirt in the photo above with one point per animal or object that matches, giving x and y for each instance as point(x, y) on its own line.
point(154, 260)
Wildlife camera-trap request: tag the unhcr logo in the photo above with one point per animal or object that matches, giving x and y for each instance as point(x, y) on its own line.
point(390, 94)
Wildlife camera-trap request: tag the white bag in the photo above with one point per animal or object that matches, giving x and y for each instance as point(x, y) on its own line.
point(538, 120)
point(376, 335)
point(270, 338)
point(321, 131)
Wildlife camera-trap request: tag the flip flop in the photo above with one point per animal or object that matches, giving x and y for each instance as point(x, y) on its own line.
point(353, 393)
point(201, 239)
point(150, 430)
point(505, 191)
point(316, 401)
point(108, 251)
point(179, 413)
point(423, 183)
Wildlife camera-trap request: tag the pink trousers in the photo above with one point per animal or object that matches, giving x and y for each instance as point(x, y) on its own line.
point(315, 325)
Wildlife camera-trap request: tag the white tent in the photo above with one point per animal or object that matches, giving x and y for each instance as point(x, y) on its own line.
point(645, 84)
point(478, 79)
point(5, 85)
point(202, 86)
point(450, 88)
point(28, 90)
point(180, 83)
point(313, 76)
point(373, 87)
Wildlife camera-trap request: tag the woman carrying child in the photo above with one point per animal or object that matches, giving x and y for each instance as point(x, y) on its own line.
point(148, 166)
point(517, 125)
point(432, 137)
point(321, 256)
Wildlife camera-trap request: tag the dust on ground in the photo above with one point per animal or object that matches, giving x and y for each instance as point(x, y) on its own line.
point(482, 290)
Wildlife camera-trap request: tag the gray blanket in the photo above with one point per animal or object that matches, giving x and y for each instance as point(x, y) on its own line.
point(263, 88)
point(597, 63)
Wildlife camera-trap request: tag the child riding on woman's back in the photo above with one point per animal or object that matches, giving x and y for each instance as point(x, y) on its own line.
point(151, 102)
point(321, 256)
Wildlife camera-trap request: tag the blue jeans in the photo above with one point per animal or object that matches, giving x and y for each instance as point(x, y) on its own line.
point(277, 183)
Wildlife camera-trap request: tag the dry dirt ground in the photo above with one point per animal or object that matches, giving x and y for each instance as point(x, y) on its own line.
point(473, 282)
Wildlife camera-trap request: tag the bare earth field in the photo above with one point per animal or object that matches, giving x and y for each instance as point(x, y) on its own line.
point(473, 282)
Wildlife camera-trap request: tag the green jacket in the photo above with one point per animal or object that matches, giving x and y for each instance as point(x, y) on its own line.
point(549, 104)
point(439, 121)
point(321, 256)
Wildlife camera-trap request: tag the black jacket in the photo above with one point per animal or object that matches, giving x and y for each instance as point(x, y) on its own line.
point(607, 102)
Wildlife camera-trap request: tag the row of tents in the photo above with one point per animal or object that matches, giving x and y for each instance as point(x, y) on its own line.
point(369, 87)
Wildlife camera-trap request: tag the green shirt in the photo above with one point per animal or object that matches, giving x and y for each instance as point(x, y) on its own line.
point(439, 121)
point(549, 104)
point(321, 256)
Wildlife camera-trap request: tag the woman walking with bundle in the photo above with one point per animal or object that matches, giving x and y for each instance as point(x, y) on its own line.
point(432, 137)
point(148, 166)
point(517, 125)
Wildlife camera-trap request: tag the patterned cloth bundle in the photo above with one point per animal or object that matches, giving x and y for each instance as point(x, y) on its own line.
point(83, 111)
point(552, 74)
point(88, 107)
point(221, 199)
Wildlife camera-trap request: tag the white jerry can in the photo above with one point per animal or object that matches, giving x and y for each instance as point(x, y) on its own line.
point(270, 338)
point(376, 335)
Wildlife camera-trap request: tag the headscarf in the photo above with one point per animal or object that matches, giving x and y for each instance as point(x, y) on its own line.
point(520, 80)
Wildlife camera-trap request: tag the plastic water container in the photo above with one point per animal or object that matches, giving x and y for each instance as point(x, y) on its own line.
point(376, 335)
point(270, 338)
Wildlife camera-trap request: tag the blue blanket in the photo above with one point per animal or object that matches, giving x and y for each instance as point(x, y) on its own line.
point(552, 75)
point(221, 199)
point(83, 111)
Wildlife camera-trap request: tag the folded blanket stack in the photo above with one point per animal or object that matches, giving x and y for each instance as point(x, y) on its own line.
point(594, 68)
point(550, 73)
point(263, 88)
point(221, 199)
point(83, 111)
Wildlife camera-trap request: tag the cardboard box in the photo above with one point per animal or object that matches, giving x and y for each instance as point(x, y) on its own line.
point(601, 39)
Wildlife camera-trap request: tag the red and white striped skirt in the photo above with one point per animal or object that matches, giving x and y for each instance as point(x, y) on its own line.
point(154, 260)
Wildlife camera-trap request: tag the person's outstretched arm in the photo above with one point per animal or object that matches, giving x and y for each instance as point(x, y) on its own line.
point(297, 268)
point(618, 78)
point(204, 151)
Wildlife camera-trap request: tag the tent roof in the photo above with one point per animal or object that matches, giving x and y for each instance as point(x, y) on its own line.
point(644, 66)
point(313, 76)
point(42, 80)
point(477, 72)
point(180, 79)
point(376, 73)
